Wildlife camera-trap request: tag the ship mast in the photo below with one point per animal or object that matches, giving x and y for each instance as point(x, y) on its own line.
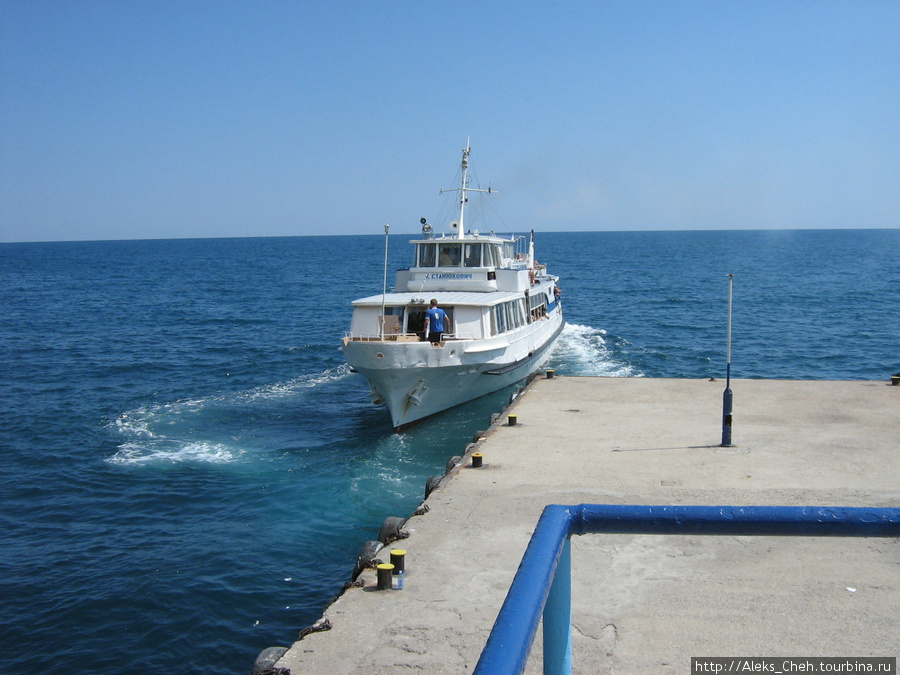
point(464, 189)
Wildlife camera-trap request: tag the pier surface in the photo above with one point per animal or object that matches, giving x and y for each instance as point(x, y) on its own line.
point(646, 603)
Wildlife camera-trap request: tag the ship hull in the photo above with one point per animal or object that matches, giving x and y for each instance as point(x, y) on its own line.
point(418, 380)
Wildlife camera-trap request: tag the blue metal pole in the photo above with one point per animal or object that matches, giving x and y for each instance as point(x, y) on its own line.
point(796, 521)
point(509, 644)
point(549, 555)
point(558, 617)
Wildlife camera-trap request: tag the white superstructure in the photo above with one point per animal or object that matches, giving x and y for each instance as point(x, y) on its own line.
point(505, 317)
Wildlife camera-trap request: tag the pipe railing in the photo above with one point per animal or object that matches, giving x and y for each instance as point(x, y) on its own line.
point(542, 585)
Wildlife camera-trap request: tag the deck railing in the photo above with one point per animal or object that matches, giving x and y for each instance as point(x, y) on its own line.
point(542, 585)
point(403, 337)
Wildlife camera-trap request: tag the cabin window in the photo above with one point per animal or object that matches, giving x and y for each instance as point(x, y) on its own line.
point(393, 320)
point(416, 321)
point(493, 252)
point(499, 312)
point(472, 255)
point(537, 306)
point(449, 255)
point(507, 316)
point(426, 255)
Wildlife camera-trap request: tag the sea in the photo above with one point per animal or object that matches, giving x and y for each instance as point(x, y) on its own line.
point(189, 469)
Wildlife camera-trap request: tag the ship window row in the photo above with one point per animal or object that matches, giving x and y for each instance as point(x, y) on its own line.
point(538, 306)
point(458, 255)
point(507, 316)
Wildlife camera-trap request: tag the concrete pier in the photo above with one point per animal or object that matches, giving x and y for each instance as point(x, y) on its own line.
point(646, 603)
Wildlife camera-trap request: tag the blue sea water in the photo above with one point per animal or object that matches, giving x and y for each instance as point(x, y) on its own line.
point(189, 469)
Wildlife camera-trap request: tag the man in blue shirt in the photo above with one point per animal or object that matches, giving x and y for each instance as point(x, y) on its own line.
point(435, 319)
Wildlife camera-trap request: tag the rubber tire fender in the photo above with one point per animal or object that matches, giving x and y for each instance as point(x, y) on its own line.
point(366, 554)
point(267, 659)
point(432, 484)
point(390, 529)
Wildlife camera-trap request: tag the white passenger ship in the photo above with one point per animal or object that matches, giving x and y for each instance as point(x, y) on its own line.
point(505, 318)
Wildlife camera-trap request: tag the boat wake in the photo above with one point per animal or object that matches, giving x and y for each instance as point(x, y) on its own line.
point(390, 463)
point(175, 452)
point(215, 429)
point(583, 350)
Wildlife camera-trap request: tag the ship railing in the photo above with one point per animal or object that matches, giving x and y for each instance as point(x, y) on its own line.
point(402, 337)
point(377, 337)
point(542, 587)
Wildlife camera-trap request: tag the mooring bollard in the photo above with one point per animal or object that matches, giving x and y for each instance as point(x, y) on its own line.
point(477, 458)
point(385, 576)
point(550, 373)
point(513, 420)
point(398, 560)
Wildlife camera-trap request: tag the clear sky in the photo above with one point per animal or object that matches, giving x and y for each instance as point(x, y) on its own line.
point(152, 119)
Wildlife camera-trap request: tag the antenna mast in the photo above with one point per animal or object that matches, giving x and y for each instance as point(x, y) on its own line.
point(464, 189)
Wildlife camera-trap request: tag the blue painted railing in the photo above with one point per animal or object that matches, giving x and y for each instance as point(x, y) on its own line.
point(542, 585)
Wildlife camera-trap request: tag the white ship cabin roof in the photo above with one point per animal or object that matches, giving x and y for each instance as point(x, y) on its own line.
point(448, 298)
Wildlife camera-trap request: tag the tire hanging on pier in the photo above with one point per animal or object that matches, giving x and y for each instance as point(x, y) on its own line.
point(431, 485)
point(390, 530)
point(366, 555)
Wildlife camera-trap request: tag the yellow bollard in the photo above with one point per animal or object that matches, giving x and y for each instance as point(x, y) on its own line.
point(385, 573)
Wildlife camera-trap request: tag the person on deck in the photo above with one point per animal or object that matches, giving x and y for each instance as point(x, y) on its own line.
point(436, 322)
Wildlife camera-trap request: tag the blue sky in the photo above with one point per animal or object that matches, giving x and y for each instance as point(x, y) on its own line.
point(151, 119)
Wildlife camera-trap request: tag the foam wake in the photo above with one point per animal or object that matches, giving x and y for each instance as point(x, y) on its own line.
point(210, 429)
point(583, 350)
point(174, 452)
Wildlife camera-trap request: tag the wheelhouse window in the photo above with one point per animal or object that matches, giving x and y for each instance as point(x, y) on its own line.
point(449, 255)
point(472, 255)
point(427, 255)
